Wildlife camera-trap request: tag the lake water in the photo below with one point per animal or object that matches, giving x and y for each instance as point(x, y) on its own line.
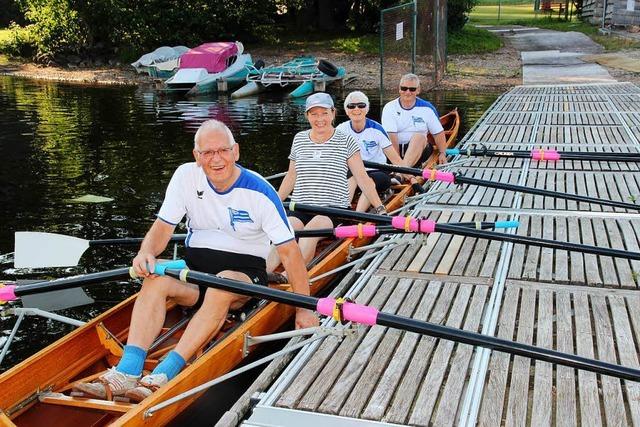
point(59, 142)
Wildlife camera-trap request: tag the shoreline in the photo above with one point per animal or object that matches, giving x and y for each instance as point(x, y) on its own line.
point(496, 71)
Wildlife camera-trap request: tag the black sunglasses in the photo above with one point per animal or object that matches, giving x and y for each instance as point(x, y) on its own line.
point(357, 104)
point(408, 88)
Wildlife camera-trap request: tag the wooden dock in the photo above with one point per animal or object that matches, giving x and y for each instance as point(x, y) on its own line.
point(582, 304)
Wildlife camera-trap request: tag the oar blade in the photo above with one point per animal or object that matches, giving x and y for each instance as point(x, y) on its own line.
point(57, 300)
point(37, 250)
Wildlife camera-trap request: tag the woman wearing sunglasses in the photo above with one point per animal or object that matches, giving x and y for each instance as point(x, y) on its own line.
point(375, 145)
point(409, 119)
point(318, 163)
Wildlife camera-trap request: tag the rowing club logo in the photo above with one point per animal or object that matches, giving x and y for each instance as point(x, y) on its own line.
point(369, 145)
point(417, 120)
point(237, 216)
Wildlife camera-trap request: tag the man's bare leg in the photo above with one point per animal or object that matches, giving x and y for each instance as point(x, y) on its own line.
point(149, 310)
point(210, 318)
point(417, 144)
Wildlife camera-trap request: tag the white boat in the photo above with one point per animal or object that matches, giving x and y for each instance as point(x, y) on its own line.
point(203, 67)
point(162, 62)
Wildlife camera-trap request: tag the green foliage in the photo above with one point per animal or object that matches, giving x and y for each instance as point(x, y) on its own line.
point(472, 40)
point(62, 26)
point(56, 26)
point(458, 13)
point(363, 44)
point(16, 41)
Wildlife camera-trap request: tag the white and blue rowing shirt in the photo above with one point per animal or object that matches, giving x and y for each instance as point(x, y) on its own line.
point(244, 219)
point(372, 140)
point(421, 118)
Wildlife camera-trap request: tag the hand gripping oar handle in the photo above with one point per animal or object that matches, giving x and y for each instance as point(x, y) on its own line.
point(343, 310)
point(13, 292)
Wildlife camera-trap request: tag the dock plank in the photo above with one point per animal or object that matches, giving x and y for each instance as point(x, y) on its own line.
point(565, 415)
point(450, 399)
point(492, 406)
point(403, 399)
point(543, 376)
point(613, 402)
point(427, 395)
point(517, 404)
point(390, 380)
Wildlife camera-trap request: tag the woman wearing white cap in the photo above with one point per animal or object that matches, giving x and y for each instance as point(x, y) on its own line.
point(374, 142)
point(317, 175)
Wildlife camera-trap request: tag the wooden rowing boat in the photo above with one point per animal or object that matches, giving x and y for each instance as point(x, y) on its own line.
point(36, 392)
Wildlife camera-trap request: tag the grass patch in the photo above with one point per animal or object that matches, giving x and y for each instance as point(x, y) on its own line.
point(488, 14)
point(472, 40)
point(526, 16)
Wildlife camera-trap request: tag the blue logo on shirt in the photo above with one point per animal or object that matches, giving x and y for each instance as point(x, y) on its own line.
point(417, 120)
point(237, 216)
point(369, 145)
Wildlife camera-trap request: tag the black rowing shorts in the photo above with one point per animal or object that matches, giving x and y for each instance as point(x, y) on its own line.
point(213, 262)
point(382, 179)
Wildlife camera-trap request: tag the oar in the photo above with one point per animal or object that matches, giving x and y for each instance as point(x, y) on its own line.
point(429, 226)
point(347, 311)
point(379, 219)
point(275, 176)
point(41, 250)
point(13, 292)
point(546, 155)
point(35, 249)
point(367, 230)
point(456, 178)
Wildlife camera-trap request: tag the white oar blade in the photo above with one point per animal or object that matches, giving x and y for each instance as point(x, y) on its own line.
point(36, 250)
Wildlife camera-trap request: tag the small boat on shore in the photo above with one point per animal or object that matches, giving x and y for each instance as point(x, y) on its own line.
point(162, 63)
point(37, 391)
point(203, 68)
point(303, 74)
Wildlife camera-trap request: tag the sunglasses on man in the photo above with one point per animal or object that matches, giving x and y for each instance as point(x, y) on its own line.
point(360, 105)
point(408, 88)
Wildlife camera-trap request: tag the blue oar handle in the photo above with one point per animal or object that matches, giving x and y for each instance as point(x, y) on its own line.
point(160, 267)
point(507, 224)
point(452, 151)
point(174, 264)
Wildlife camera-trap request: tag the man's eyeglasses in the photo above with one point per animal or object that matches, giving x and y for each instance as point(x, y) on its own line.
point(357, 105)
point(210, 153)
point(408, 88)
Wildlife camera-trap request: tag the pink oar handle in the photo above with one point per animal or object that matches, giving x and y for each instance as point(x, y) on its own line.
point(407, 223)
point(436, 175)
point(350, 311)
point(541, 154)
point(7, 293)
point(360, 230)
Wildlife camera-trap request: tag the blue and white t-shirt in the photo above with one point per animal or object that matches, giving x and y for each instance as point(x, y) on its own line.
point(422, 118)
point(372, 140)
point(244, 219)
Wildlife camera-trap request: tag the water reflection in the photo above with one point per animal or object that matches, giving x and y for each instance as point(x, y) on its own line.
point(58, 142)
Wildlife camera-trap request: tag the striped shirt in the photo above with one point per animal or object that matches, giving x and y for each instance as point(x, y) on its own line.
point(321, 169)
